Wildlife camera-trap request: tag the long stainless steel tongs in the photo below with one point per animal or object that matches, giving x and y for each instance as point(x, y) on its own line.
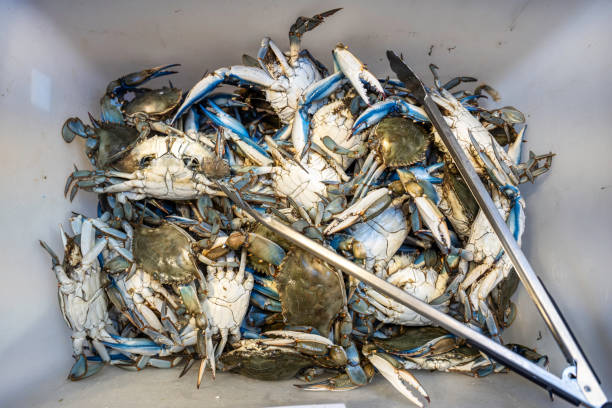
point(578, 383)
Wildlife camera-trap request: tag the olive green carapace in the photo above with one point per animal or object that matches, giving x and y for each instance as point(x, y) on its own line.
point(412, 338)
point(154, 102)
point(311, 291)
point(165, 253)
point(113, 140)
point(267, 363)
point(401, 142)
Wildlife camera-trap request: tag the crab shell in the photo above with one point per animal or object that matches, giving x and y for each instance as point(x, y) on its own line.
point(305, 187)
point(165, 253)
point(311, 292)
point(145, 153)
point(336, 121)
point(113, 139)
point(381, 236)
point(285, 103)
point(154, 102)
point(255, 359)
point(418, 342)
point(400, 141)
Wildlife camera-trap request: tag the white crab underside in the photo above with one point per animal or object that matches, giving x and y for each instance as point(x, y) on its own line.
point(285, 103)
point(421, 282)
point(336, 121)
point(305, 187)
point(381, 236)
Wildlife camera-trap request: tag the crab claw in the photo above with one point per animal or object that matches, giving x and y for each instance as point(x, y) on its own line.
point(201, 90)
point(368, 207)
point(83, 368)
point(205, 348)
point(429, 212)
point(426, 180)
point(400, 378)
point(356, 72)
point(322, 88)
point(379, 110)
point(74, 127)
point(138, 78)
point(300, 132)
point(433, 218)
point(301, 26)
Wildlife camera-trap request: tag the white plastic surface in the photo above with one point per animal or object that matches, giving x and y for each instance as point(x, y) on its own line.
point(550, 59)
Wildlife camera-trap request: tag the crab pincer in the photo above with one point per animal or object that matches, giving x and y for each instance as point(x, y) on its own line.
point(356, 72)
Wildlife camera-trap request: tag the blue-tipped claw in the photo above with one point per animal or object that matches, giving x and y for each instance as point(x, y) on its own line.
point(83, 368)
point(138, 78)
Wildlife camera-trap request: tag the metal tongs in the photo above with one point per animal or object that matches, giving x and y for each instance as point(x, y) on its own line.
point(578, 383)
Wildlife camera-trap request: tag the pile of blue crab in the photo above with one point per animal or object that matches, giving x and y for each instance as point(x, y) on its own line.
point(172, 272)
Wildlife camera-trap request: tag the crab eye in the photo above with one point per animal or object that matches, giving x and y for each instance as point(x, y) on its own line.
point(191, 163)
point(145, 161)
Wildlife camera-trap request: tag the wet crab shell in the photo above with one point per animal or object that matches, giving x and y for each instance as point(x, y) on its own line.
point(264, 362)
point(401, 142)
point(113, 140)
point(194, 155)
point(165, 253)
point(311, 292)
point(154, 102)
point(419, 342)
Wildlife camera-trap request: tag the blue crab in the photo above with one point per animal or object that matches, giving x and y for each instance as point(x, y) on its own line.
point(167, 297)
point(421, 281)
point(292, 86)
point(81, 295)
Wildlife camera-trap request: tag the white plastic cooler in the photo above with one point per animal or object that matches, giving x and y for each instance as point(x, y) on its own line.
point(550, 59)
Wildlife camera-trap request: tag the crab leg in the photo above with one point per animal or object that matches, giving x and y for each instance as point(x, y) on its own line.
point(430, 213)
point(238, 134)
point(237, 72)
point(301, 123)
